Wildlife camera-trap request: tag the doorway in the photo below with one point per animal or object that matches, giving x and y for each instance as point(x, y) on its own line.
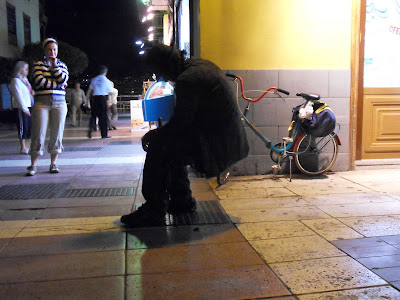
point(378, 105)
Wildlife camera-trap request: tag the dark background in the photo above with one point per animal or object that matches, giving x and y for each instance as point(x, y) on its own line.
point(106, 30)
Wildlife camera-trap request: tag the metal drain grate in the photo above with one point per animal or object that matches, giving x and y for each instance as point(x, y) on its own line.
point(70, 149)
point(207, 212)
point(101, 192)
point(31, 191)
point(120, 143)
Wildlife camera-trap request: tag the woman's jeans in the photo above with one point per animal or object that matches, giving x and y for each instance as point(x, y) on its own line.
point(48, 111)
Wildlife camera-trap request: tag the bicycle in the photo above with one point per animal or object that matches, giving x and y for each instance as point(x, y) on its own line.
point(313, 155)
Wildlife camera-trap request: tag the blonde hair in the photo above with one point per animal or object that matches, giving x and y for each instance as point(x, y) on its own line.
point(18, 68)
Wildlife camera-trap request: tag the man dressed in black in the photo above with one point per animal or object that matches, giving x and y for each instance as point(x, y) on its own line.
point(205, 130)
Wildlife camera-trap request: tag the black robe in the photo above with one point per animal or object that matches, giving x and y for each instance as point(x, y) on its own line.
point(207, 118)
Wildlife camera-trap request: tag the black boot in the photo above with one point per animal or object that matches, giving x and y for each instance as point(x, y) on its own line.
point(179, 206)
point(144, 217)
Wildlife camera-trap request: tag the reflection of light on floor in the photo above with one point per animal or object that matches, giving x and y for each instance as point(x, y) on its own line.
point(138, 159)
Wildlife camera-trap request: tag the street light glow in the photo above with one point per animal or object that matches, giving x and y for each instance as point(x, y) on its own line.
point(138, 42)
point(151, 28)
point(141, 52)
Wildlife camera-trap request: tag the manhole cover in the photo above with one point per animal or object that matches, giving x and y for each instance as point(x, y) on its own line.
point(100, 192)
point(31, 191)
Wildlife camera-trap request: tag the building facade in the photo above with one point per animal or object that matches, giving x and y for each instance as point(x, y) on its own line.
point(309, 46)
point(20, 24)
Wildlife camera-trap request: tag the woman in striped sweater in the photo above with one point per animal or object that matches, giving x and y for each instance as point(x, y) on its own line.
point(50, 108)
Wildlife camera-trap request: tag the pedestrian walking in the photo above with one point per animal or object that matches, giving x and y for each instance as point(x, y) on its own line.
point(100, 88)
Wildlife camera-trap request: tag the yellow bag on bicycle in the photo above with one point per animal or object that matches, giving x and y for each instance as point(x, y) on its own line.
point(322, 123)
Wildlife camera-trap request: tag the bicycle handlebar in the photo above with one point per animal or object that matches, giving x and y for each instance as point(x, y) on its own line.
point(231, 75)
point(261, 96)
point(283, 91)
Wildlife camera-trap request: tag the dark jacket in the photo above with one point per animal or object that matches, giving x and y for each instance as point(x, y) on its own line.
point(207, 117)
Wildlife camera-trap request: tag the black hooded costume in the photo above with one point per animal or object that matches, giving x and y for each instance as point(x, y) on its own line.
point(205, 130)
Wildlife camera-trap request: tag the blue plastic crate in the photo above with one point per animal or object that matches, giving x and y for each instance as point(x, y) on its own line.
point(161, 107)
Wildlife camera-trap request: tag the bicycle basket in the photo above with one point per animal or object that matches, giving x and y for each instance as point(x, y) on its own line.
point(322, 123)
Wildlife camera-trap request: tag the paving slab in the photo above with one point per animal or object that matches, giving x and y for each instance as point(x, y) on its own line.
point(260, 203)
point(332, 229)
point(85, 211)
point(264, 193)
point(46, 244)
point(24, 204)
point(326, 274)
point(110, 288)
point(295, 248)
point(374, 225)
point(382, 292)
point(185, 258)
point(63, 266)
point(348, 198)
point(240, 282)
point(362, 210)
point(276, 214)
point(380, 262)
point(274, 230)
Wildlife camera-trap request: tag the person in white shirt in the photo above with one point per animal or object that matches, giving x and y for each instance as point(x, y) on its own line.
point(112, 112)
point(22, 101)
point(100, 88)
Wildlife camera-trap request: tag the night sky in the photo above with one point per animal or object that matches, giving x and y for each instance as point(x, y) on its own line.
point(105, 30)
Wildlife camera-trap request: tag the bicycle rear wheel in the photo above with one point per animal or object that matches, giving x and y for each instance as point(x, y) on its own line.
point(315, 155)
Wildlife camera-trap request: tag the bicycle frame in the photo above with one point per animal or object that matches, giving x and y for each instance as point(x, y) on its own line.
point(291, 144)
point(295, 131)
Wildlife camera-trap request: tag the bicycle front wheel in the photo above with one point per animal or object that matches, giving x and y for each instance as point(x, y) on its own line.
point(315, 155)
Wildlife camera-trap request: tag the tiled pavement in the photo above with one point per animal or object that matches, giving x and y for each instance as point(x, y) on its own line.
point(333, 237)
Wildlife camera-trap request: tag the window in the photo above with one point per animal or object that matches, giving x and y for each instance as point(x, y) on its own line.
point(27, 29)
point(12, 25)
point(382, 44)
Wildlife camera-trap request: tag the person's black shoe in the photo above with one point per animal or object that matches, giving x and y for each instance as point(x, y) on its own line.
point(106, 137)
point(89, 134)
point(109, 128)
point(182, 206)
point(114, 128)
point(143, 217)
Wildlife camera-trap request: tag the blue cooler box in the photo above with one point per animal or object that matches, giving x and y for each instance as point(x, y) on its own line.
point(159, 102)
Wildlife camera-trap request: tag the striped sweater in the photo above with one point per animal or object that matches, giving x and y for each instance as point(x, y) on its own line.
point(49, 80)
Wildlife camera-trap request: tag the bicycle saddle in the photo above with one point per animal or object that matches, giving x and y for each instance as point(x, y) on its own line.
point(309, 97)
